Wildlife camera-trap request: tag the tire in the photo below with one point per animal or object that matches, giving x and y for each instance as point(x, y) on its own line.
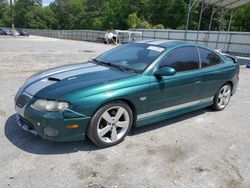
point(110, 124)
point(222, 97)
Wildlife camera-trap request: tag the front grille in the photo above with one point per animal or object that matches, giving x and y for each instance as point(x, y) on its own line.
point(26, 122)
point(25, 125)
point(22, 100)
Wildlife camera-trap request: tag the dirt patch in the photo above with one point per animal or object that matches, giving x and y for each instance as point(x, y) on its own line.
point(83, 172)
point(233, 168)
point(2, 113)
point(201, 169)
point(100, 157)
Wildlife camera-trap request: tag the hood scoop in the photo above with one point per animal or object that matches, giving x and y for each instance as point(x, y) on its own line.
point(54, 79)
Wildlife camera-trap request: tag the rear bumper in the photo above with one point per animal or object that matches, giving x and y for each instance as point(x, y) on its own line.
point(235, 86)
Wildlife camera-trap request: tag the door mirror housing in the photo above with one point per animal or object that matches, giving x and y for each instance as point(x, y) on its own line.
point(165, 71)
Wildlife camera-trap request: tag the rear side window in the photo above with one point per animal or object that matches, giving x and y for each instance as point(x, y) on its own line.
point(208, 58)
point(182, 59)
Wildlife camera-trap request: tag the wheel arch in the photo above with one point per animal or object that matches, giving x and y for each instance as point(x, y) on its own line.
point(133, 108)
point(231, 84)
point(127, 101)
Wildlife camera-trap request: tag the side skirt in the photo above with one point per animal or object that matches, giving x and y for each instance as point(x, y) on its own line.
point(169, 114)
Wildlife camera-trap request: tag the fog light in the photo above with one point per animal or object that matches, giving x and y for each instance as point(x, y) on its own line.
point(73, 126)
point(50, 131)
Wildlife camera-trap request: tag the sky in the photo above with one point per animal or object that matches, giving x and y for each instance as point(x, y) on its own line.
point(47, 2)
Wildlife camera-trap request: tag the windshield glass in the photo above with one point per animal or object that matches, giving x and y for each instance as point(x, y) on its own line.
point(135, 56)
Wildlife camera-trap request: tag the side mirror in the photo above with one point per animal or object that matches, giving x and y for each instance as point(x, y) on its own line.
point(165, 71)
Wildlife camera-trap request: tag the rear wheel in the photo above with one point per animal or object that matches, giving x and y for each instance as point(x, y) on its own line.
point(222, 97)
point(110, 124)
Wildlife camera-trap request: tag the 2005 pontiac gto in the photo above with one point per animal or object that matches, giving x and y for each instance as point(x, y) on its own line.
point(129, 86)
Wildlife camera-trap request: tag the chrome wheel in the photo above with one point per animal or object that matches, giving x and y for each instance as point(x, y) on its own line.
point(113, 124)
point(224, 96)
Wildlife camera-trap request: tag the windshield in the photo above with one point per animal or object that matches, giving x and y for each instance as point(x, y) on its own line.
point(135, 56)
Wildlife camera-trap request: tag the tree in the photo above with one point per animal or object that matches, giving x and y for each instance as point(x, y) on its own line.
point(241, 19)
point(92, 16)
point(133, 20)
point(21, 8)
point(145, 25)
point(115, 14)
point(159, 26)
point(40, 18)
point(5, 17)
point(69, 13)
point(97, 24)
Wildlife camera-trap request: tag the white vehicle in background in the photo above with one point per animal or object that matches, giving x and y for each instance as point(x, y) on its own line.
point(110, 37)
point(16, 33)
point(118, 36)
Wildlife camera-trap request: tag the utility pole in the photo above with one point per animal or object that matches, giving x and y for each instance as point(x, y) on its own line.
point(12, 19)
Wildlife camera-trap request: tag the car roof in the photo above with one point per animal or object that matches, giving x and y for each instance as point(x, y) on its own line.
point(167, 43)
point(173, 44)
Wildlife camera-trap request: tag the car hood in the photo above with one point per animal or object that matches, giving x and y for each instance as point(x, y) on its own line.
point(55, 82)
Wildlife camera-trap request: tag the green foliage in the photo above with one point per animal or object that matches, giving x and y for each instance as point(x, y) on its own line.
point(40, 18)
point(241, 19)
point(145, 25)
point(5, 17)
point(116, 14)
point(69, 13)
point(97, 24)
point(133, 20)
point(159, 26)
point(21, 8)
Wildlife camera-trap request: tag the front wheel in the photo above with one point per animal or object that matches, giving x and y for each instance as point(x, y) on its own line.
point(110, 124)
point(222, 97)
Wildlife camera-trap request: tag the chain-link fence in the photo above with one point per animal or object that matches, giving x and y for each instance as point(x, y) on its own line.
point(85, 35)
point(230, 42)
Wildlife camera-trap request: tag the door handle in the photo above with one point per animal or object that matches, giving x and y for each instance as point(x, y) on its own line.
point(197, 81)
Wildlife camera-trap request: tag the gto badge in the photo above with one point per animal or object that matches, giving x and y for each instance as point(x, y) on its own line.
point(143, 98)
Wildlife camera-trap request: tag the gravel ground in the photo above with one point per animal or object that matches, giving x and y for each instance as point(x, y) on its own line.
point(200, 149)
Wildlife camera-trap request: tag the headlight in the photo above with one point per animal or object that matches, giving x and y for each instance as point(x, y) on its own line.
point(50, 106)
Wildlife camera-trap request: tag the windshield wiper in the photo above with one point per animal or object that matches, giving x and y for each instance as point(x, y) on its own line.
point(97, 61)
point(122, 68)
point(109, 64)
point(129, 69)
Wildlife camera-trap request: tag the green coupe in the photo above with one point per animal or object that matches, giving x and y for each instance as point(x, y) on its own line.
point(129, 86)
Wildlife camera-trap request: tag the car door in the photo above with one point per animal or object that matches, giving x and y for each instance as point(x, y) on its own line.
point(212, 75)
point(178, 90)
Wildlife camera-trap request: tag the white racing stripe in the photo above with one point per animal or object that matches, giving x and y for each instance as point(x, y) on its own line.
point(56, 70)
point(37, 86)
point(172, 108)
point(40, 81)
point(71, 73)
point(41, 84)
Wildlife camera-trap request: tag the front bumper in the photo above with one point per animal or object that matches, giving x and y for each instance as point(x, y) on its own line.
point(25, 126)
point(51, 125)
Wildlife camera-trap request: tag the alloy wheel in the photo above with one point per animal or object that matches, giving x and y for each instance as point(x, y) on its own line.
point(224, 96)
point(113, 124)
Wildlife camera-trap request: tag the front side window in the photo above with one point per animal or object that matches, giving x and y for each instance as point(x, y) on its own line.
point(135, 56)
point(208, 58)
point(182, 59)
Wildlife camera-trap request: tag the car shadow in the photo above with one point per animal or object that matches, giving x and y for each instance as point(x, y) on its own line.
point(36, 145)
